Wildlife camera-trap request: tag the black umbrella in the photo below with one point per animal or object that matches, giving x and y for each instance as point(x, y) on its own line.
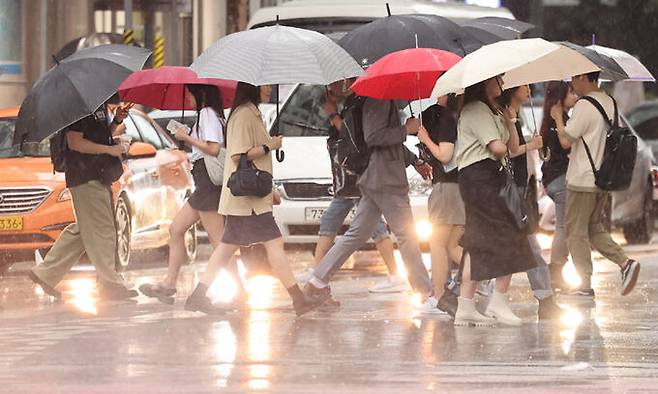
point(374, 40)
point(75, 88)
point(610, 70)
point(493, 26)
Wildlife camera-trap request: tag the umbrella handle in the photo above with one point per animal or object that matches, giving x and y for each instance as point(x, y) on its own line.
point(280, 155)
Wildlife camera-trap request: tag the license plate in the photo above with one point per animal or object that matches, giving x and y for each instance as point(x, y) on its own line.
point(315, 214)
point(11, 223)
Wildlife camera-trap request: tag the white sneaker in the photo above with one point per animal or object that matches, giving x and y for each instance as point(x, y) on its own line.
point(392, 284)
point(429, 307)
point(500, 310)
point(304, 276)
point(467, 315)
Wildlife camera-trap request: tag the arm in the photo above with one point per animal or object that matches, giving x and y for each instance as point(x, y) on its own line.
point(76, 142)
point(377, 129)
point(207, 147)
point(442, 151)
point(260, 151)
point(120, 114)
point(498, 148)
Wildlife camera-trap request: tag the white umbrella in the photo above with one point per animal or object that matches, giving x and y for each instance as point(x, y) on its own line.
point(277, 55)
point(633, 67)
point(523, 62)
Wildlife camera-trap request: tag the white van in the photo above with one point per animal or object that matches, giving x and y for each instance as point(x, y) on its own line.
point(304, 177)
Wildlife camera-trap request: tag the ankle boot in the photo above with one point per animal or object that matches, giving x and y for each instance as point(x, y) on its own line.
point(500, 310)
point(467, 315)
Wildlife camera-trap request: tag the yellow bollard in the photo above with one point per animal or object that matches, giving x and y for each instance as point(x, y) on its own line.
point(158, 51)
point(128, 37)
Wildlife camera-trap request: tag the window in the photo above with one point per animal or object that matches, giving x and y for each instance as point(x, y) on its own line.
point(131, 129)
point(148, 132)
point(303, 115)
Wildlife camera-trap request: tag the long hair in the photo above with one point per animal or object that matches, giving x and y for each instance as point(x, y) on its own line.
point(556, 92)
point(478, 92)
point(207, 96)
point(245, 93)
point(505, 98)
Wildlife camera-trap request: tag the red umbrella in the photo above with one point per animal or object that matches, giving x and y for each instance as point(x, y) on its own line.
point(163, 87)
point(409, 74)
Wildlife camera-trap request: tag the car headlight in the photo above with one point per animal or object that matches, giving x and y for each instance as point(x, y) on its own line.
point(64, 195)
point(418, 186)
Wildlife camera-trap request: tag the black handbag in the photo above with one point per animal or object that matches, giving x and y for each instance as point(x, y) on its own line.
point(513, 199)
point(249, 181)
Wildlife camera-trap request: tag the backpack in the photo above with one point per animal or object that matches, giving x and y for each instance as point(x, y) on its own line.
point(58, 149)
point(352, 150)
point(619, 155)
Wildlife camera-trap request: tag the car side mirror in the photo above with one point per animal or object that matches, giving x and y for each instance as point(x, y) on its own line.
point(141, 150)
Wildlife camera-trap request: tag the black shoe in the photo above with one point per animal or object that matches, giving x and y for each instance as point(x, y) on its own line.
point(45, 286)
point(116, 293)
point(629, 276)
point(557, 280)
point(163, 294)
point(313, 298)
point(448, 303)
point(549, 310)
point(203, 304)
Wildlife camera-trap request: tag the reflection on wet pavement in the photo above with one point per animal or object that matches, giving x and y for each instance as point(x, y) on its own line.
point(373, 343)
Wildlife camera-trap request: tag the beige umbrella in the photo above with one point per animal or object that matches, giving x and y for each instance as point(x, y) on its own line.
point(522, 62)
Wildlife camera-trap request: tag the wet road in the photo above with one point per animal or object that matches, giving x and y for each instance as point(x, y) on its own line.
point(372, 344)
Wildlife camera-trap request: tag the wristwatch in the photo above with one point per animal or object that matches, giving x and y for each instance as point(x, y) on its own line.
point(115, 121)
point(266, 148)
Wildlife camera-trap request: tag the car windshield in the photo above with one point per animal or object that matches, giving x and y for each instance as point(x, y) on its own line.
point(8, 150)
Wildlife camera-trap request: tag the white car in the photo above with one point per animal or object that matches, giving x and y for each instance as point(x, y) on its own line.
point(304, 177)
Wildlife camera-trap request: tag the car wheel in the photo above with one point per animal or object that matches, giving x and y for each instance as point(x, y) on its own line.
point(123, 234)
point(641, 231)
point(191, 243)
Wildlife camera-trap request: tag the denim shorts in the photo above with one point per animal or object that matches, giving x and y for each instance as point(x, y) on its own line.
point(334, 217)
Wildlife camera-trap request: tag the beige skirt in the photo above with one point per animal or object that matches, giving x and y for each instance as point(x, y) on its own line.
point(445, 205)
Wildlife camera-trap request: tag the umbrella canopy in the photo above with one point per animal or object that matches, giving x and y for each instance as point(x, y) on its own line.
point(75, 88)
point(635, 70)
point(88, 41)
point(276, 55)
point(372, 41)
point(610, 70)
point(503, 28)
point(164, 87)
point(405, 75)
point(523, 61)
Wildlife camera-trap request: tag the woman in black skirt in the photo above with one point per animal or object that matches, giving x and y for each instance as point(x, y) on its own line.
point(496, 247)
point(206, 137)
point(249, 219)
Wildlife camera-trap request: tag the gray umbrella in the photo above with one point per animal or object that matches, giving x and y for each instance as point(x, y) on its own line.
point(610, 70)
point(75, 88)
point(503, 28)
point(277, 55)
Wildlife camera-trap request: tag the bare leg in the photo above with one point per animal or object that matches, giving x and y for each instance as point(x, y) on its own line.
point(439, 255)
point(183, 220)
point(220, 257)
point(502, 283)
point(280, 265)
point(214, 224)
point(454, 250)
point(468, 286)
point(386, 248)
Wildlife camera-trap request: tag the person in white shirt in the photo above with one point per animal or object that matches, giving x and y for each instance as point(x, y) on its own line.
point(207, 137)
point(585, 201)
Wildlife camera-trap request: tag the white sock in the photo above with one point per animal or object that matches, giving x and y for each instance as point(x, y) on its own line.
point(317, 282)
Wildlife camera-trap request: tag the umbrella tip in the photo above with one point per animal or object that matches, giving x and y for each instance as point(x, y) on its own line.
point(593, 38)
point(277, 19)
point(388, 9)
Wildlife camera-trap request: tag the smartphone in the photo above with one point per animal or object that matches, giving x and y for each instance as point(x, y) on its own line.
point(173, 125)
